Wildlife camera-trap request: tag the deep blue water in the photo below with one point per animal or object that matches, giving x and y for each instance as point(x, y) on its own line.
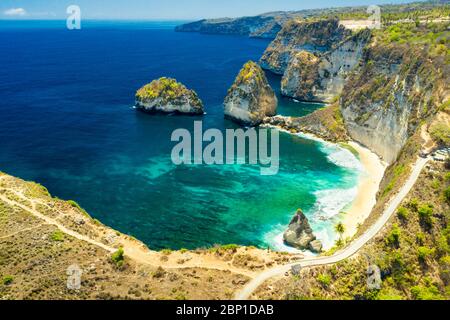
point(67, 122)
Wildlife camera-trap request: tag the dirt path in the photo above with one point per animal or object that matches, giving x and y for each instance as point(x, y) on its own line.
point(20, 231)
point(132, 248)
point(350, 250)
point(57, 224)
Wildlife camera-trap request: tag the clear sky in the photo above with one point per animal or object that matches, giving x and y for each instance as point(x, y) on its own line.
point(164, 9)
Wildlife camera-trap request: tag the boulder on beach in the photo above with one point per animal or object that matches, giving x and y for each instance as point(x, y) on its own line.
point(299, 234)
point(316, 246)
point(250, 99)
point(166, 95)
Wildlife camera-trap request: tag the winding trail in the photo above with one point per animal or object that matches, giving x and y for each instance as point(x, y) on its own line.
point(348, 251)
point(51, 221)
point(133, 251)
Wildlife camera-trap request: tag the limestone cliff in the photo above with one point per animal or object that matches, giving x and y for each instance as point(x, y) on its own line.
point(265, 25)
point(166, 95)
point(250, 99)
point(321, 78)
point(387, 85)
point(396, 88)
point(262, 26)
point(298, 35)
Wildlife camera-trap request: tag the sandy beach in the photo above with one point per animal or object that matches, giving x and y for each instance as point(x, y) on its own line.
point(368, 187)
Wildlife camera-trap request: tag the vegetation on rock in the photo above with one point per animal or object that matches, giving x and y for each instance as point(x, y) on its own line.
point(167, 95)
point(250, 99)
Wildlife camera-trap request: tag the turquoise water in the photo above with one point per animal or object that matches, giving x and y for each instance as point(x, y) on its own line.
point(68, 123)
point(288, 106)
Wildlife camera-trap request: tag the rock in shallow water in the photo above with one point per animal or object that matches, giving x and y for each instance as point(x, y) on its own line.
point(299, 234)
point(250, 99)
point(166, 95)
point(315, 246)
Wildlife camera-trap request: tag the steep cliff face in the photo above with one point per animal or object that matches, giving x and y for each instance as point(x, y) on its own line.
point(301, 78)
point(297, 35)
point(396, 87)
point(387, 84)
point(262, 26)
point(250, 99)
point(312, 78)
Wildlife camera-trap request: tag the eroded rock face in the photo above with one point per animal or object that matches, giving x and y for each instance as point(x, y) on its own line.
point(263, 26)
point(299, 234)
point(298, 35)
point(384, 101)
point(301, 78)
point(166, 95)
point(316, 246)
point(266, 25)
point(321, 78)
point(250, 99)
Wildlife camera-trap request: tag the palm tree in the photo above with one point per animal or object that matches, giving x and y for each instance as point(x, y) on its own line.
point(340, 228)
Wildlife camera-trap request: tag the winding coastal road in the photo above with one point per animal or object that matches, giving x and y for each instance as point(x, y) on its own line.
point(348, 251)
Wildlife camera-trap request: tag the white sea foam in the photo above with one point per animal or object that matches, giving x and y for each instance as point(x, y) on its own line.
point(336, 154)
point(341, 156)
point(330, 202)
point(274, 239)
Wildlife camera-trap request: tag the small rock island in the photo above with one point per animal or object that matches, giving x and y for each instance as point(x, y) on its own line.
point(166, 95)
point(250, 99)
point(300, 235)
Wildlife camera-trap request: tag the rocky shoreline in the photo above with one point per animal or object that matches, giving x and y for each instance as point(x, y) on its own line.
point(321, 60)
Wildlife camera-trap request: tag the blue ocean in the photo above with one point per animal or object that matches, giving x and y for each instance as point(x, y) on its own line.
point(67, 121)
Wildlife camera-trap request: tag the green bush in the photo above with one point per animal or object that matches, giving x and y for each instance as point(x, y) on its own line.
point(230, 247)
point(447, 177)
point(447, 194)
point(394, 236)
point(420, 238)
point(118, 257)
point(445, 260)
point(443, 245)
point(424, 252)
point(324, 279)
point(7, 280)
point(77, 206)
point(426, 293)
point(426, 213)
point(396, 259)
point(58, 235)
point(441, 134)
point(403, 213)
point(389, 294)
point(414, 205)
point(226, 247)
